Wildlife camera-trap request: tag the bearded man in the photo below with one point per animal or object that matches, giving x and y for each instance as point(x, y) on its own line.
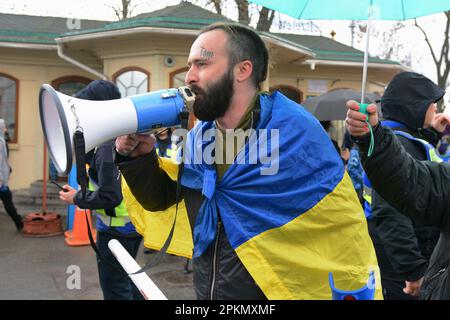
point(261, 229)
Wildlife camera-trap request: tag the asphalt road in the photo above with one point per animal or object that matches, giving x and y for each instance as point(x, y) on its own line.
point(41, 268)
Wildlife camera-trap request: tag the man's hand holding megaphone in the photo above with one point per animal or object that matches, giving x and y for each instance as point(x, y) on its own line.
point(135, 145)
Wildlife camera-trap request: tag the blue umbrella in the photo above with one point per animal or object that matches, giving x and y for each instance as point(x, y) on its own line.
point(356, 10)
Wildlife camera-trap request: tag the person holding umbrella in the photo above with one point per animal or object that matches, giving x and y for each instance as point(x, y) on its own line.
point(403, 246)
point(419, 189)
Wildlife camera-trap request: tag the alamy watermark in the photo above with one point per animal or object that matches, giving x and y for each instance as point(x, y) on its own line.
point(73, 281)
point(73, 24)
point(241, 147)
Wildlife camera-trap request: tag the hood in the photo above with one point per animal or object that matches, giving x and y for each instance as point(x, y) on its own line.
point(99, 90)
point(408, 97)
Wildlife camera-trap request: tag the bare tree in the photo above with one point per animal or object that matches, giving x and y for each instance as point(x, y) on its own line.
point(393, 51)
point(265, 19)
point(441, 59)
point(243, 13)
point(125, 10)
point(384, 44)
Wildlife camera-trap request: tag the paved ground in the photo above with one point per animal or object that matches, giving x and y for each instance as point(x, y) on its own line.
point(36, 268)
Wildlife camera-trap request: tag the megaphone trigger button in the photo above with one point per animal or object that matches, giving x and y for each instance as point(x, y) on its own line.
point(168, 94)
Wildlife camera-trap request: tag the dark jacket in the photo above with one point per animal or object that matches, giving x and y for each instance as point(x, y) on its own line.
point(218, 272)
point(105, 175)
point(404, 246)
point(102, 170)
point(420, 189)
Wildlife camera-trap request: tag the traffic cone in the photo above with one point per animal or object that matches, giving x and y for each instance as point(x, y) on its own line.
point(78, 236)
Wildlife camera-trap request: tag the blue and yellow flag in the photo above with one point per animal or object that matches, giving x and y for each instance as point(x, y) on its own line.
point(291, 228)
point(155, 226)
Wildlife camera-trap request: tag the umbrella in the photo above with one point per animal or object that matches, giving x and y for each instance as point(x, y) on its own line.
point(356, 10)
point(331, 105)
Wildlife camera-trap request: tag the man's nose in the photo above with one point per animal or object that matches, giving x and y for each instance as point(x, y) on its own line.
point(191, 77)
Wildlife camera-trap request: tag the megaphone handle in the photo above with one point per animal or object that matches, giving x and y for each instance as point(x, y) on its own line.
point(80, 159)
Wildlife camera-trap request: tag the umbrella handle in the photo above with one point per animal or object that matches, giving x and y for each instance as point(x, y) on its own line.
point(363, 109)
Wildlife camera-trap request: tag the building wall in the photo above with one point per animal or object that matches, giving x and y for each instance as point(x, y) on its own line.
point(154, 65)
point(302, 76)
point(32, 69)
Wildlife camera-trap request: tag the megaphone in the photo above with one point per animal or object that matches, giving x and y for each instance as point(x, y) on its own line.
point(100, 121)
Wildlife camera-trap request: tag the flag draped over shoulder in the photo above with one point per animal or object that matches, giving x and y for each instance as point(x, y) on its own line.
point(155, 226)
point(291, 228)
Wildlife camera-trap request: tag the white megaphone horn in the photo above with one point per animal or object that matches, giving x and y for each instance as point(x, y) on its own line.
point(101, 121)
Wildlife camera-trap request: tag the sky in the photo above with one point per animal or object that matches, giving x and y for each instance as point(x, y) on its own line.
point(410, 38)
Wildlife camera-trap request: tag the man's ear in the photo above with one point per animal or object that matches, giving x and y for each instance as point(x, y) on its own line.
point(243, 70)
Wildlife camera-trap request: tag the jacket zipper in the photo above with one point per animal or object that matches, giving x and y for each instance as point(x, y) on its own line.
point(437, 274)
point(216, 248)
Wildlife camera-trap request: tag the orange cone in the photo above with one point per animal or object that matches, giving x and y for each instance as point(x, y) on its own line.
point(78, 236)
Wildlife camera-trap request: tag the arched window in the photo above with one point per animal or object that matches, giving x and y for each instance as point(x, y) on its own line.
point(132, 81)
point(290, 92)
point(177, 77)
point(70, 84)
point(9, 88)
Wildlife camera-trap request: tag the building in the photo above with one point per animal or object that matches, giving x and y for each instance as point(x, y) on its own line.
point(145, 53)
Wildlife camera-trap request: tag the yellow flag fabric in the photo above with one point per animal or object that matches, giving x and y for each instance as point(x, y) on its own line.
point(294, 260)
point(155, 226)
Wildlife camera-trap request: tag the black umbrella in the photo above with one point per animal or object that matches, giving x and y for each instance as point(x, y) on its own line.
point(332, 105)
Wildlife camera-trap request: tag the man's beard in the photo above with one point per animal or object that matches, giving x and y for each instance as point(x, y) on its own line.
point(213, 103)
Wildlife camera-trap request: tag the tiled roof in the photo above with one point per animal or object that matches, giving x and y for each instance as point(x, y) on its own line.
point(182, 16)
point(37, 29)
point(329, 49)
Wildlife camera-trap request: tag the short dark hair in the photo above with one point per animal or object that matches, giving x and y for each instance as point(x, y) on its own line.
point(244, 44)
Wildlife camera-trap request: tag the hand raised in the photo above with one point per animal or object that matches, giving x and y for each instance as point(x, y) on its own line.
point(356, 121)
point(440, 121)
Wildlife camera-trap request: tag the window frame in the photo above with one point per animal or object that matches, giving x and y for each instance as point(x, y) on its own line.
point(16, 116)
point(173, 73)
point(59, 81)
point(131, 68)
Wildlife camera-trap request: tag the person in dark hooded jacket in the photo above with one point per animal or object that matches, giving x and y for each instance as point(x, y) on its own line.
point(105, 196)
point(403, 246)
point(419, 189)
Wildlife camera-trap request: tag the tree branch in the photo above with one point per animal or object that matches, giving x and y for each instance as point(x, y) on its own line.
point(428, 43)
point(217, 5)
